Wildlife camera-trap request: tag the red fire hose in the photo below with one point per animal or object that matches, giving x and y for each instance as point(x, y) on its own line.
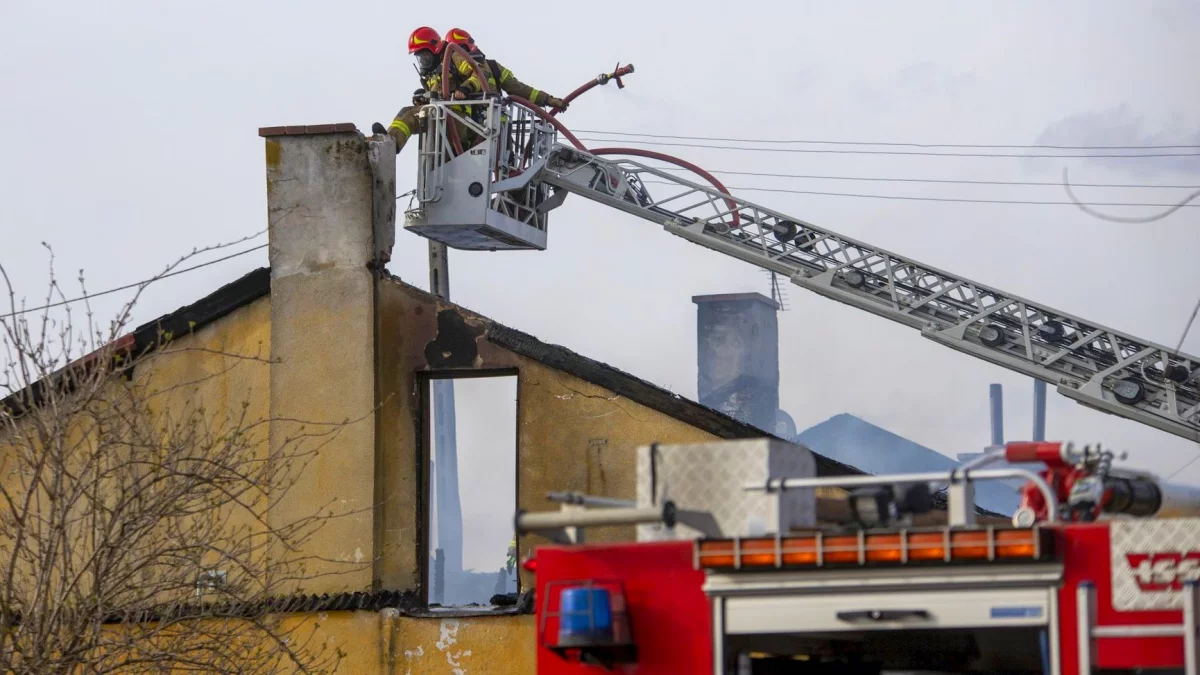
point(616, 75)
point(650, 154)
point(448, 95)
point(635, 152)
point(549, 117)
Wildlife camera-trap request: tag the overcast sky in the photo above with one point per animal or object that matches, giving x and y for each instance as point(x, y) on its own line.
point(129, 137)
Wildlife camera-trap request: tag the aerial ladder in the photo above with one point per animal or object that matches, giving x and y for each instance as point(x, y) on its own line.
point(497, 194)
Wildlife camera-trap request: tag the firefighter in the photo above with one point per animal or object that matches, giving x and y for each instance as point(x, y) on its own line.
point(499, 77)
point(428, 48)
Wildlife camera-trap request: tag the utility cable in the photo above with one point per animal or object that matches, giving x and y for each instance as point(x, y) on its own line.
point(1171, 208)
point(1190, 462)
point(882, 179)
point(126, 287)
point(932, 199)
point(1188, 328)
point(774, 141)
point(830, 151)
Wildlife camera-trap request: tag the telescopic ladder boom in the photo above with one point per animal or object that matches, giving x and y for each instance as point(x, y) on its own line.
point(1097, 366)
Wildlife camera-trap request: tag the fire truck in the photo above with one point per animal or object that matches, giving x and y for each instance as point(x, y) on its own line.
point(1097, 571)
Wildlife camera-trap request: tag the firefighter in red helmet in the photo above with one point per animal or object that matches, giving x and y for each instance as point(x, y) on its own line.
point(499, 77)
point(428, 48)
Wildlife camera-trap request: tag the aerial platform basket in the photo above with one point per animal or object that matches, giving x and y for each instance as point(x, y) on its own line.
point(483, 198)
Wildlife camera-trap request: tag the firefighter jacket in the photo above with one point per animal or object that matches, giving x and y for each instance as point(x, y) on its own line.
point(502, 79)
point(464, 79)
point(406, 122)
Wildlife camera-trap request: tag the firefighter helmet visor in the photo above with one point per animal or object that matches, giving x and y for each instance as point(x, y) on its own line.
point(426, 60)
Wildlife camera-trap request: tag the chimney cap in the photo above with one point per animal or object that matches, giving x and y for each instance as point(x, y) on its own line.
point(736, 297)
point(307, 130)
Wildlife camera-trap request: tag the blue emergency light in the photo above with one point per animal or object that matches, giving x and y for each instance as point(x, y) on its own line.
point(585, 616)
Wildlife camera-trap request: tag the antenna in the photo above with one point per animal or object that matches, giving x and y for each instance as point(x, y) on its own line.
point(777, 292)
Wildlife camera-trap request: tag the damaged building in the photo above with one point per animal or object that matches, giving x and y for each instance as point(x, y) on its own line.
point(452, 421)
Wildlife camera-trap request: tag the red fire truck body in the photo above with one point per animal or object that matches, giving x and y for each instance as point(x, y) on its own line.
point(1054, 597)
point(671, 617)
point(668, 611)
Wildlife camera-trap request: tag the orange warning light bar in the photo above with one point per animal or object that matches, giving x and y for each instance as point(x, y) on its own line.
point(871, 548)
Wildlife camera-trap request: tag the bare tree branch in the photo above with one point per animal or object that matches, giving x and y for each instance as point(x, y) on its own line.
point(134, 528)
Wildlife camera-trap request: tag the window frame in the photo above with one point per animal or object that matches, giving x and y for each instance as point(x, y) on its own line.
point(425, 380)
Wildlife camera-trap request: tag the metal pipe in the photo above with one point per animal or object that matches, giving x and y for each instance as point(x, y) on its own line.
point(557, 520)
point(997, 399)
point(989, 456)
point(1085, 621)
point(589, 500)
point(1176, 500)
point(1190, 590)
point(1039, 410)
point(1157, 630)
point(439, 269)
point(778, 484)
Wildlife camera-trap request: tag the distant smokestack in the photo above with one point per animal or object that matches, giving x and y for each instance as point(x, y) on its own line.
point(737, 353)
point(1039, 410)
point(997, 396)
point(448, 504)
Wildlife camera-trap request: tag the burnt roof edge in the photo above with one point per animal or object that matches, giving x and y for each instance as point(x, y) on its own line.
point(257, 284)
point(183, 321)
point(216, 305)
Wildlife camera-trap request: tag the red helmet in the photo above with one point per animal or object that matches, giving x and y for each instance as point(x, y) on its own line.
point(425, 38)
point(461, 38)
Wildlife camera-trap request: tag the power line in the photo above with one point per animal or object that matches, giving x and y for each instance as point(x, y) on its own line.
point(133, 285)
point(1171, 208)
point(931, 199)
point(1190, 462)
point(774, 141)
point(935, 180)
point(1188, 328)
point(828, 151)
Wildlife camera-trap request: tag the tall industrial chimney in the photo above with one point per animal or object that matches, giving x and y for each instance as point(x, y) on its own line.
point(997, 400)
point(737, 352)
point(1039, 410)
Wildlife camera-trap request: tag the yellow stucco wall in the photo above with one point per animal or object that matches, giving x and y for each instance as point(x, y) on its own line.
point(386, 643)
point(226, 361)
point(572, 435)
point(221, 369)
